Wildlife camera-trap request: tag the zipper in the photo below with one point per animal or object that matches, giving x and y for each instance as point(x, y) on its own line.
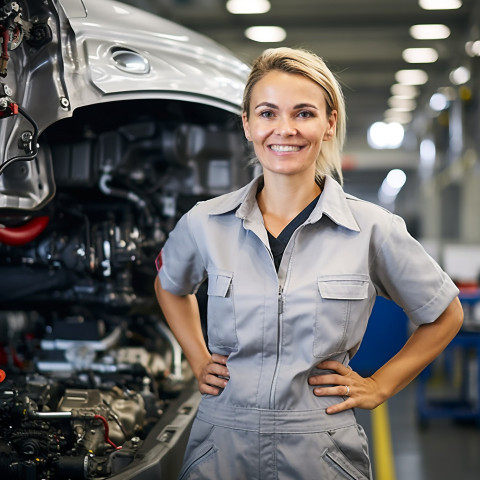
point(279, 346)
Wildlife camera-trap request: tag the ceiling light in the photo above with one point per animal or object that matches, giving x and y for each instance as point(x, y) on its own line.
point(396, 179)
point(385, 135)
point(473, 48)
point(430, 32)
point(402, 90)
point(391, 186)
point(420, 55)
point(411, 77)
point(440, 4)
point(246, 7)
point(392, 115)
point(460, 75)
point(266, 34)
point(428, 153)
point(402, 102)
point(438, 102)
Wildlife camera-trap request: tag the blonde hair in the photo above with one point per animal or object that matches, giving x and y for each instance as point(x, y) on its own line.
point(303, 62)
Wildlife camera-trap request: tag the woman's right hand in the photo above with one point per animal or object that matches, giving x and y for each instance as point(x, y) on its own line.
point(213, 376)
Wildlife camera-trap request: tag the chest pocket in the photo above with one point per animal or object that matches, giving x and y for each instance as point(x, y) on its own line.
point(342, 300)
point(221, 323)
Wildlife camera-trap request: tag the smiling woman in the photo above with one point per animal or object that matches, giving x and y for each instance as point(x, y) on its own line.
point(294, 266)
point(288, 128)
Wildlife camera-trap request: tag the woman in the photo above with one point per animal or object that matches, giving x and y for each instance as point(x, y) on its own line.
point(294, 266)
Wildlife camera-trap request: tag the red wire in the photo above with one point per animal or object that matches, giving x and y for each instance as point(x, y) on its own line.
point(105, 425)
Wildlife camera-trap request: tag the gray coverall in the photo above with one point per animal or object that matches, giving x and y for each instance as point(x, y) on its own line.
point(276, 327)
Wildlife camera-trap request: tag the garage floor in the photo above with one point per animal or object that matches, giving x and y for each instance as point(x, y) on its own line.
point(444, 449)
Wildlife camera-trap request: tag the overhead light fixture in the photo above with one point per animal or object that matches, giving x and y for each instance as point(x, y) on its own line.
point(434, 31)
point(438, 102)
point(391, 186)
point(402, 102)
point(460, 76)
point(248, 7)
point(440, 4)
point(411, 77)
point(385, 135)
point(266, 34)
point(420, 55)
point(401, 90)
point(428, 154)
point(473, 48)
point(392, 115)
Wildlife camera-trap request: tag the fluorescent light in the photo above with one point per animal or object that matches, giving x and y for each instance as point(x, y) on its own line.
point(434, 31)
point(396, 179)
point(402, 102)
point(473, 48)
point(266, 34)
point(460, 75)
point(402, 90)
point(411, 77)
point(420, 55)
point(391, 186)
point(440, 4)
point(246, 7)
point(385, 135)
point(438, 102)
point(392, 115)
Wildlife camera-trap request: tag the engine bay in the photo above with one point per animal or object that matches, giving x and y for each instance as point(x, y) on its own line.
point(92, 374)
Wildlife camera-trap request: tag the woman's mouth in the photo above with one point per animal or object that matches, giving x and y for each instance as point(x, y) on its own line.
point(285, 148)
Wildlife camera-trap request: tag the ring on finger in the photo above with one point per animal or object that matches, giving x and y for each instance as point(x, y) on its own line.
point(347, 391)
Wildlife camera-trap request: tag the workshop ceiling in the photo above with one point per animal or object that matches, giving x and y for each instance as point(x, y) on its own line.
point(361, 40)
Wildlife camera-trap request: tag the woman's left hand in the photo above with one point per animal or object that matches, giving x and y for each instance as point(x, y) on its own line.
point(357, 391)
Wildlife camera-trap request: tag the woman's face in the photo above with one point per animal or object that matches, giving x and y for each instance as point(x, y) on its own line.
point(288, 123)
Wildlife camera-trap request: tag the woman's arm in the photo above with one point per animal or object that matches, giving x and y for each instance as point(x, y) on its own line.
point(424, 345)
point(183, 318)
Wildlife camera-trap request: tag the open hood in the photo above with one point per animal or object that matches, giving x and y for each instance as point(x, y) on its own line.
point(74, 53)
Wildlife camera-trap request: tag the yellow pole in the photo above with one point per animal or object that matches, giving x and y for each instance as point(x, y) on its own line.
point(383, 460)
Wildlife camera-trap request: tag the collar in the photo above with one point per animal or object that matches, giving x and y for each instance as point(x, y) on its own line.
point(332, 203)
point(245, 198)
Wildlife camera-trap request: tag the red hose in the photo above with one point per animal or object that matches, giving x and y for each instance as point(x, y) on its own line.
point(105, 425)
point(25, 233)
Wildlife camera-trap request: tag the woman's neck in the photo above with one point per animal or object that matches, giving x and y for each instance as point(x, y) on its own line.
point(283, 198)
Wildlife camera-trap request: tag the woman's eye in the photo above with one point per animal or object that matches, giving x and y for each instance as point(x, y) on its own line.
point(266, 114)
point(305, 114)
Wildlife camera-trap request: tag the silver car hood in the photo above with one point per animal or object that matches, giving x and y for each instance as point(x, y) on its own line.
point(102, 51)
point(112, 51)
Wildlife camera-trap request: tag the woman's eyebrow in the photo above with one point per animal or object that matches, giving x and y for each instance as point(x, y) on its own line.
point(296, 107)
point(267, 104)
point(305, 105)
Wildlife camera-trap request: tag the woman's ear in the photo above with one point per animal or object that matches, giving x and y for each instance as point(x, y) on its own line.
point(246, 128)
point(332, 126)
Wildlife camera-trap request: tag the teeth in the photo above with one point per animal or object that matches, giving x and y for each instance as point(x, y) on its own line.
point(284, 148)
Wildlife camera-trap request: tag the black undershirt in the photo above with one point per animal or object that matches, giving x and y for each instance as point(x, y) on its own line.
point(278, 244)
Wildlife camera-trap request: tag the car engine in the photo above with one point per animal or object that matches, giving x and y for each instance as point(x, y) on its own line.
point(93, 385)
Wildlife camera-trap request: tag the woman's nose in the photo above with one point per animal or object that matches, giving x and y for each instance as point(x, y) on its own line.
point(285, 127)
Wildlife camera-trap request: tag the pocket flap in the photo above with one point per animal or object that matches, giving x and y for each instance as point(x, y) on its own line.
point(218, 284)
point(343, 289)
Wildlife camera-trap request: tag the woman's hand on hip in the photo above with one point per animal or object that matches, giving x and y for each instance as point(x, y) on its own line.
point(357, 391)
point(213, 376)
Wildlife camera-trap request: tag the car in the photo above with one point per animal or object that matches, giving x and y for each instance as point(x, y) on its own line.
point(113, 123)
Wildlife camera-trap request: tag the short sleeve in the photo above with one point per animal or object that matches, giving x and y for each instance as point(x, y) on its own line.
point(404, 272)
point(180, 265)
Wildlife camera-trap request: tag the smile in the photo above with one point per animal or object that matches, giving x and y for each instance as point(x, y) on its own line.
point(285, 148)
